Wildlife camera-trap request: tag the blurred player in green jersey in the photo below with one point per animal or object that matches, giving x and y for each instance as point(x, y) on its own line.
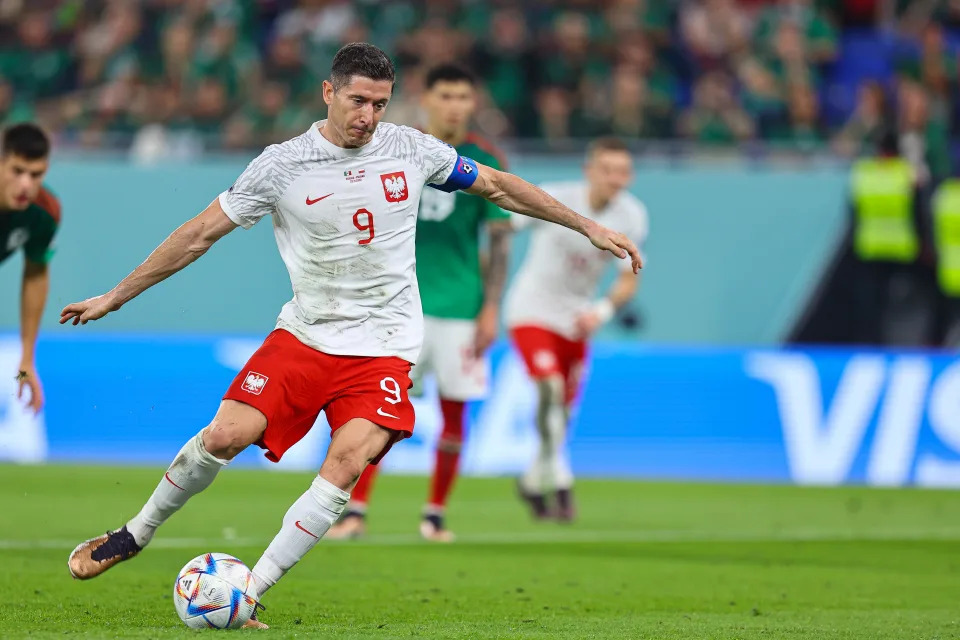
point(29, 216)
point(461, 296)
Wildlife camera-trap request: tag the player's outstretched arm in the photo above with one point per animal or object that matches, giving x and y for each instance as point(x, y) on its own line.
point(619, 294)
point(190, 241)
point(516, 194)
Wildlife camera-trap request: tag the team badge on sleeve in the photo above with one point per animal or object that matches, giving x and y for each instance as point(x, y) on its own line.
point(394, 186)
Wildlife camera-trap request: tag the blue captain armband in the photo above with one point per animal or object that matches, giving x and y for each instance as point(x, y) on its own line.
point(463, 176)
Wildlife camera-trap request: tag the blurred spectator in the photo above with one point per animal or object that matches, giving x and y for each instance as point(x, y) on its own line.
point(107, 49)
point(558, 117)
point(322, 21)
point(405, 103)
point(914, 16)
point(165, 132)
point(651, 17)
point(715, 117)
point(220, 54)
point(571, 60)
point(761, 94)
point(434, 42)
point(934, 67)
point(636, 52)
point(11, 110)
point(863, 130)
point(176, 52)
point(923, 139)
point(813, 26)
point(790, 60)
point(714, 31)
point(801, 129)
point(507, 61)
point(631, 111)
point(38, 62)
point(210, 109)
point(284, 63)
point(323, 26)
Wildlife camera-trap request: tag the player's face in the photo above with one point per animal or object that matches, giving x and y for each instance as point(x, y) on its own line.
point(20, 180)
point(356, 109)
point(609, 172)
point(450, 105)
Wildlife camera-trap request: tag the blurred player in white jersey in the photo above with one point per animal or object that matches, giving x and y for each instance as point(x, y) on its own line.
point(344, 198)
point(551, 311)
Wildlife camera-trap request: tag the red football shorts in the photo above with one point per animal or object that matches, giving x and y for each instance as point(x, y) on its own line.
point(547, 353)
point(291, 383)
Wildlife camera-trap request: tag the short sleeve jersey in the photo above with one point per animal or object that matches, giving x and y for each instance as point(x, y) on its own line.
point(32, 228)
point(449, 231)
point(345, 225)
point(560, 273)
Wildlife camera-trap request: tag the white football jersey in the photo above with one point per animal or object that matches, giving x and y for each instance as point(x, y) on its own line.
point(345, 222)
point(560, 274)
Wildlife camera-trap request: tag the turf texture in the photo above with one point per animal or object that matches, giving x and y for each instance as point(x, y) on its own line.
point(644, 560)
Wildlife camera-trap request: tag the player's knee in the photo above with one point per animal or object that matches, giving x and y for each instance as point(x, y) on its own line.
point(551, 389)
point(343, 467)
point(452, 431)
point(224, 441)
point(450, 444)
point(235, 427)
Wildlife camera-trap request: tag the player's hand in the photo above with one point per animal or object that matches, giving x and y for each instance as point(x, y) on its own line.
point(89, 309)
point(486, 331)
point(27, 378)
point(616, 243)
point(588, 322)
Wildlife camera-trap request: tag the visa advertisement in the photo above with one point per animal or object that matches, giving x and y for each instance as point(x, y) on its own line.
point(819, 416)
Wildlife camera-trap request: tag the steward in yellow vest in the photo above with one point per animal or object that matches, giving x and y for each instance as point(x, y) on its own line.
point(946, 236)
point(882, 193)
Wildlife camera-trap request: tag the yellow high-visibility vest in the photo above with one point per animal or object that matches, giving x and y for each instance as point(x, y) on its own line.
point(946, 235)
point(882, 191)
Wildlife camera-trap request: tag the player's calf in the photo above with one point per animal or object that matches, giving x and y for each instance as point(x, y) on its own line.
point(313, 514)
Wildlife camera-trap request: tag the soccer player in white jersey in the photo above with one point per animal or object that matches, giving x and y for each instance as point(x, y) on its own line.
point(551, 311)
point(343, 197)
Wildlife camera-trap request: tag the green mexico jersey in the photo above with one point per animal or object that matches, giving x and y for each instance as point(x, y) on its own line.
point(449, 227)
point(33, 228)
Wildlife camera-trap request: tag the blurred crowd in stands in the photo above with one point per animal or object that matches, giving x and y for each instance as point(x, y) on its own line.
point(231, 74)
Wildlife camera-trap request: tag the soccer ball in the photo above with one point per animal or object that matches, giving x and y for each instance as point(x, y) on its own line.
point(215, 591)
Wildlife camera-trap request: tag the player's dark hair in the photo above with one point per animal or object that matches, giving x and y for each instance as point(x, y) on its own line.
point(607, 144)
point(889, 143)
point(26, 140)
point(448, 73)
point(360, 59)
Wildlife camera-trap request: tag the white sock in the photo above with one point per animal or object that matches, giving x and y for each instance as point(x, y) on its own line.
point(192, 471)
point(305, 522)
point(550, 470)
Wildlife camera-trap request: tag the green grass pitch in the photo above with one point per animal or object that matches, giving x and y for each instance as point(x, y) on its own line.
point(645, 560)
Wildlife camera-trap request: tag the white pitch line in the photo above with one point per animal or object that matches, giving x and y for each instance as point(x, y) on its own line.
point(584, 536)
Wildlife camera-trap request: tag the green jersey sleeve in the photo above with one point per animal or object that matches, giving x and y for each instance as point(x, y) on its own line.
point(43, 227)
